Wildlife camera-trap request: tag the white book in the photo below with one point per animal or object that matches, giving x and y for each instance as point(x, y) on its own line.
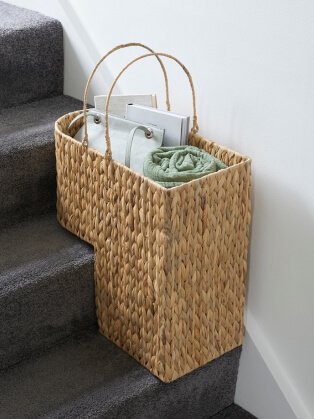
point(176, 126)
point(118, 103)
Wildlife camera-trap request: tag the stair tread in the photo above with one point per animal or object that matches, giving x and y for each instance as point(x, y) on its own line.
point(32, 124)
point(38, 247)
point(15, 18)
point(90, 377)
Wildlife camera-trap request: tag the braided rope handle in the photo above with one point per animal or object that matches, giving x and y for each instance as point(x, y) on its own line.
point(194, 128)
point(130, 44)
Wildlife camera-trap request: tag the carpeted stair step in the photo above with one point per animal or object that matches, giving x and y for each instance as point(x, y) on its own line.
point(90, 377)
point(46, 288)
point(31, 56)
point(27, 157)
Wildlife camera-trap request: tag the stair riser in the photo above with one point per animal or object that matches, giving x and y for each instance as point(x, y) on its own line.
point(28, 183)
point(38, 314)
point(198, 395)
point(31, 64)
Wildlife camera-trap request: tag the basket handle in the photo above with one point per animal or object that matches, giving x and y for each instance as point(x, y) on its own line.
point(130, 44)
point(194, 128)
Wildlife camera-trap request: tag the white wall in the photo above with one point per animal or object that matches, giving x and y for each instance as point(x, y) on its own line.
point(257, 391)
point(253, 66)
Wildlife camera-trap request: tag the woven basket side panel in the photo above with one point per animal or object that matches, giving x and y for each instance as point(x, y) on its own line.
point(229, 157)
point(78, 181)
point(205, 270)
point(129, 264)
point(68, 199)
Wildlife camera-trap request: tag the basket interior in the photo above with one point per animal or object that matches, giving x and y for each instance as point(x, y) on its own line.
point(227, 156)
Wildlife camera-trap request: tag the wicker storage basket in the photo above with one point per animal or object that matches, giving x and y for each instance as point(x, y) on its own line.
point(170, 264)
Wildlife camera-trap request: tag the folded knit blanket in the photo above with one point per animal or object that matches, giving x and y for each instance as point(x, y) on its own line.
point(173, 166)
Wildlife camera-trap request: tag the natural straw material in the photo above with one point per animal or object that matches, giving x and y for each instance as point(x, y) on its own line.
point(130, 44)
point(170, 264)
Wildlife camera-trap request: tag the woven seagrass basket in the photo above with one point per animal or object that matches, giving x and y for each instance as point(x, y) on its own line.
point(170, 264)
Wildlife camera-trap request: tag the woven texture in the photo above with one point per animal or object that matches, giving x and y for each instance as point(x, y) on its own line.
point(170, 263)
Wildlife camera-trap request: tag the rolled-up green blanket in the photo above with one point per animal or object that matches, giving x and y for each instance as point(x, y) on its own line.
point(173, 166)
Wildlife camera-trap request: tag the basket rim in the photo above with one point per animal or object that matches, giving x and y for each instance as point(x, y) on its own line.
point(246, 159)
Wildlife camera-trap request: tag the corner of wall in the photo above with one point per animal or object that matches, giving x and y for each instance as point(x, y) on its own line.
point(263, 386)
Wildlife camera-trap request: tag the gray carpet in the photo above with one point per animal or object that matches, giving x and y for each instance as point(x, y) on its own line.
point(31, 56)
point(53, 363)
point(27, 157)
point(46, 287)
point(91, 377)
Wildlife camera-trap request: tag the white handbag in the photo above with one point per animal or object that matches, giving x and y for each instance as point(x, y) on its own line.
point(131, 142)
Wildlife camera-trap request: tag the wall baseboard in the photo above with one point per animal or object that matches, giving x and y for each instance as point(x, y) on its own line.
point(263, 387)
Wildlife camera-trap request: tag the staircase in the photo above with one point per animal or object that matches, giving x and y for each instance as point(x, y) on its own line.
point(53, 363)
